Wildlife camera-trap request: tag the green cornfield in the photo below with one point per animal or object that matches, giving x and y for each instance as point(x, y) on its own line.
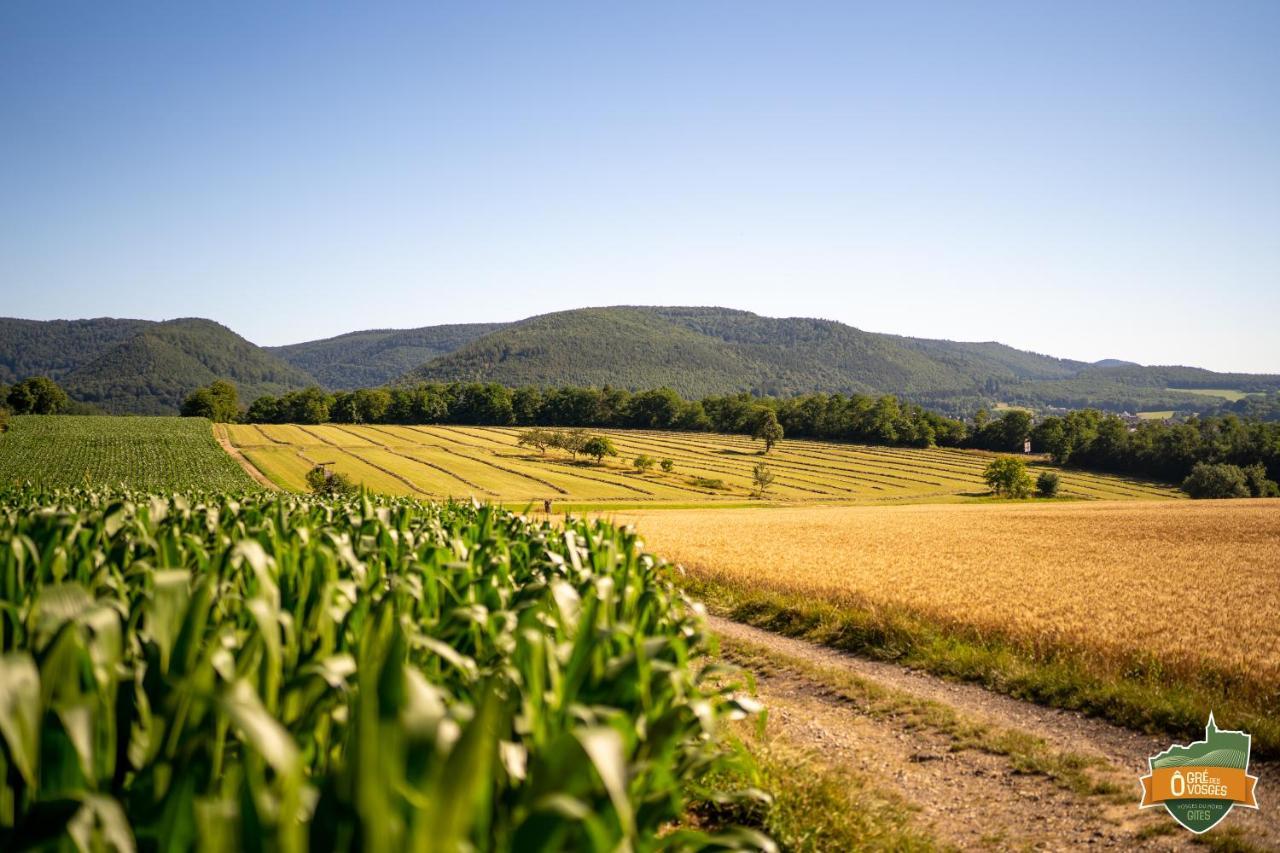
point(275, 672)
point(148, 453)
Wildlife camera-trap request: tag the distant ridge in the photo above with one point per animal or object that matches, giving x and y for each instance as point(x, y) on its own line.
point(140, 366)
point(378, 356)
point(147, 367)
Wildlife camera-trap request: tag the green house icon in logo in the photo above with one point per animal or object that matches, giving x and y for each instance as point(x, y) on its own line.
point(1201, 782)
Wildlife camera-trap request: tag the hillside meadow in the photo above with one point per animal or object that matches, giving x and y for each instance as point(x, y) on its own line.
point(488, 464)
point(1152, 613)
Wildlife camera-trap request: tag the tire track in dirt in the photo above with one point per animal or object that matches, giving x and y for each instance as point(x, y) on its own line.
point(971, 798)
point(249, 468)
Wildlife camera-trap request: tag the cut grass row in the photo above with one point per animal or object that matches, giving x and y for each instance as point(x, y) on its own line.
point(488, 463)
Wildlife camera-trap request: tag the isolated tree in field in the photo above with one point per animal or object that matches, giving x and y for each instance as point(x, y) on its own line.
point(598, 447)
point(1008, 476)
point(38, 395)
point(538, 439)
point(1216, 481)
point(1047, 484)
point(644, 462)
point(767, 429)
point(219, 402)
point(322, 481)
point(571, 441)
point(762, 477)
point(668, 465)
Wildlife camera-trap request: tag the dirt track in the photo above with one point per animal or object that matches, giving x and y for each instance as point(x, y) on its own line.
point(971, 797)
point(249, 467)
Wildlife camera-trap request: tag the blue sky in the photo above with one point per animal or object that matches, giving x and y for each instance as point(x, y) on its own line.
point(1090, 179)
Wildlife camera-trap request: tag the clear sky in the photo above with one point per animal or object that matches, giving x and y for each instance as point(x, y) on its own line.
point(1089, 179)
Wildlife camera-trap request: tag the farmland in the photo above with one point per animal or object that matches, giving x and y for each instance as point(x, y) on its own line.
point(488, 464)
point(277, 672)
point(1228, 394)
point(1150, 613)
point(152, 453)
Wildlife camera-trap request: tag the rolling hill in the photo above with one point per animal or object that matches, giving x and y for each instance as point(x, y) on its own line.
point(700, 351)
point(140, 366)
point(55, 348)
point(145, 367)
point(377, 356)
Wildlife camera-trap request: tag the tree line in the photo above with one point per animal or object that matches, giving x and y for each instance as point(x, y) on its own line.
point(1087, 438)
point(856, 418)
point(1222, 452)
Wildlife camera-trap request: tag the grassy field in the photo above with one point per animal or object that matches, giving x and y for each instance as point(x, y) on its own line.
point(1228, 394)
point(153, 453)
point(486, 463)
point(1150, 613)
point(1156, 416)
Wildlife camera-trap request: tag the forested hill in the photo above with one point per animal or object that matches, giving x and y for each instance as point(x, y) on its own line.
point(147, 367)
point(54, 348)
point(378, 356)
point(700, 351)
point(139, 366)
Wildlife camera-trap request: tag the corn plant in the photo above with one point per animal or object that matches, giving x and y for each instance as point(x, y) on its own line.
point(287, 673)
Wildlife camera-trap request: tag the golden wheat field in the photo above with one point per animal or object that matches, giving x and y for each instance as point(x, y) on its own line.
point(487, 463)
point(1187, 582)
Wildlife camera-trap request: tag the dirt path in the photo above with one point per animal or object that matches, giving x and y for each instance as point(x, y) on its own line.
point(249, 467)
point(971, 797)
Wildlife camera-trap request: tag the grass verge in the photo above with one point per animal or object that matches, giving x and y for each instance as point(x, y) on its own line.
point(1141, 699)
point(810, 805)
point(1083, 775)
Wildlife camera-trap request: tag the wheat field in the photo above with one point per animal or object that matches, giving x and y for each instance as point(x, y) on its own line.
point(1187, 583)
point(486, 463)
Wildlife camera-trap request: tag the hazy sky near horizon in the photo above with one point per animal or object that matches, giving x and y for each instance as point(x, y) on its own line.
point(1088, 179)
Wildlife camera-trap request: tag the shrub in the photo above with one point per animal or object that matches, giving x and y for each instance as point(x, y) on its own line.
point(322, 481)
point(644, 462)
point(1008, 476)
point(1047, 484)
point(1259, 486)
point(1216, 481)
point(707, 482)
point(668, 465)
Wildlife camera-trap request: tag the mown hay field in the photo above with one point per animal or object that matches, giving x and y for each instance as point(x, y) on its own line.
point(1170, 591)
point(152, 453)
point(488, 464)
